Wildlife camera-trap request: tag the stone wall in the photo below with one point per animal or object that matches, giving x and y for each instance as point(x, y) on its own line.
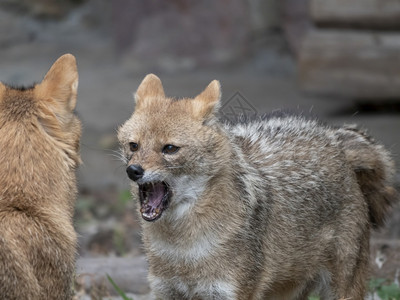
point(353, 51)
point(150, 34)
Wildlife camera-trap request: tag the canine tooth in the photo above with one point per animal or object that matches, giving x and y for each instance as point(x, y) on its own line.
point(157, 211)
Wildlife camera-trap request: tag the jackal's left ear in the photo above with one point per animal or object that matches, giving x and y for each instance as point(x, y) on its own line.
point(207, 103)
point(60, 85)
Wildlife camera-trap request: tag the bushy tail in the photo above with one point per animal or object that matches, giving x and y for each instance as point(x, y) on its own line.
point(374, 170)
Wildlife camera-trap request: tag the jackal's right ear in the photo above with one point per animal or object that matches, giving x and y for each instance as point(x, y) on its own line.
point(60, 85)
point(150, 88)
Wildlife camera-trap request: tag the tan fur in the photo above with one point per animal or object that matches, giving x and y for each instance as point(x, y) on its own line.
point(206, 103)
point(39, 142)
point(151, 87)
point(273, 208)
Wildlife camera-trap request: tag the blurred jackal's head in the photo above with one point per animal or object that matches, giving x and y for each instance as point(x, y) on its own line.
point(38, 124)
point(39, 139)
point(173, 147)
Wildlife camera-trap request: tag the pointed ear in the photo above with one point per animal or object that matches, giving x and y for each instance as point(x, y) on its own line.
point(56, 97)
point(60, 85)
point(2, 87)
point(207, 103)
point(150, 87)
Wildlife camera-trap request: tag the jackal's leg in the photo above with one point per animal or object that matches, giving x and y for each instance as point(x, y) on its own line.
point(349, 276)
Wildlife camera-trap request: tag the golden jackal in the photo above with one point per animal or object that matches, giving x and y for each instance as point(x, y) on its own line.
point(39, 146)
point(273, 208)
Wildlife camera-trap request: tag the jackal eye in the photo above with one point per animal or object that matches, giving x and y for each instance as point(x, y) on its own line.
point(170, 149)
point(133, 147)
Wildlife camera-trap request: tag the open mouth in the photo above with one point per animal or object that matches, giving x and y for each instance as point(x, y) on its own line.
point(154, 198)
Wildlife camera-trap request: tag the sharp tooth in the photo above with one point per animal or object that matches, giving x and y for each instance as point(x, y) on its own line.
point(157, 211)
point(142, 210)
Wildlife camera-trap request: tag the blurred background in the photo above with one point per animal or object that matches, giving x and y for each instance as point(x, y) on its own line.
point(338, 60)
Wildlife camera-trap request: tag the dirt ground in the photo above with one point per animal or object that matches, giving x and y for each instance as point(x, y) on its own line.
point(105, 218)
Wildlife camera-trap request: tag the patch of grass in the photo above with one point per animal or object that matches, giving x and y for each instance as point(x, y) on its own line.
point(123, 201)
point(385, 289)
point(119, 238)
point(125, 196)
point(375, 283)
point(118, 289)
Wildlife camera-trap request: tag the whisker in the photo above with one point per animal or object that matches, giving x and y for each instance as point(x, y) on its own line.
point(117, 154)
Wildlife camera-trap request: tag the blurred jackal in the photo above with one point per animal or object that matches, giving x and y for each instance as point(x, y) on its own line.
point(273, 208)
point(39, 152)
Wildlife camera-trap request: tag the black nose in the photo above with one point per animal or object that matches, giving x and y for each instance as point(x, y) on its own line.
point(135, 172)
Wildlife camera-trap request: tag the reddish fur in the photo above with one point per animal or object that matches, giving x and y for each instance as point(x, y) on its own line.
point(39, 144)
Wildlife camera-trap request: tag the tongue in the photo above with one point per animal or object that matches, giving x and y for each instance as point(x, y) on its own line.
point(152, 205)
point(155, 195)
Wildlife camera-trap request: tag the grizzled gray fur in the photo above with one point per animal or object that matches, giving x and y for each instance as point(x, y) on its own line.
point(273, 208)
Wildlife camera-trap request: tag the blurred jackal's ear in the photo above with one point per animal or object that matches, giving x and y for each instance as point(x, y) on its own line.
point(150, 88)
point(60, 85)
point(207, 103)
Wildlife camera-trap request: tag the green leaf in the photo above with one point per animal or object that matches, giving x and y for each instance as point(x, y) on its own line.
point(118, 289)
point(376, 283)
point(389, 292)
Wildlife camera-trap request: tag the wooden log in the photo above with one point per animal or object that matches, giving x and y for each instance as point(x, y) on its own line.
point(352, 64)
point(373, 14)
point(130, 274)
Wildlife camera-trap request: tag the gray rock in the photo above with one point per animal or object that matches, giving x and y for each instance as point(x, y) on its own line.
point(130, 274)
